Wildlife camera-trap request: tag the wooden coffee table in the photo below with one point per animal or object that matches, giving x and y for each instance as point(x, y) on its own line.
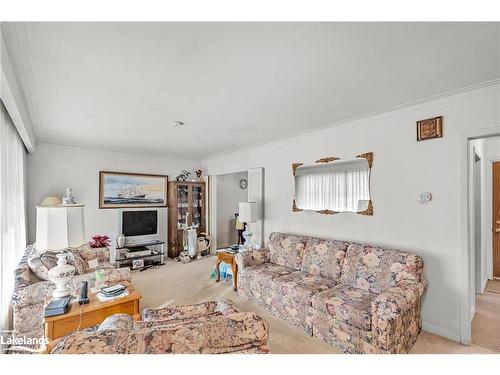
point(228, 258)
point(92, 313)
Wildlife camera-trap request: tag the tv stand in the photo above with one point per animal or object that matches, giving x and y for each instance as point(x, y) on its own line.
point(157, 253)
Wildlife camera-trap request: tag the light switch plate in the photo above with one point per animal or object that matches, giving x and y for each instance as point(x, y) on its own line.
point(424, 197)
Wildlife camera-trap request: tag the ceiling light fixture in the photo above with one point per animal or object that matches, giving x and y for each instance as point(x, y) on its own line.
point(177, 123)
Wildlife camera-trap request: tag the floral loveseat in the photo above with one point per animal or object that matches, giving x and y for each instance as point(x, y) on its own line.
point(31, 287)
point(205, 328)
point(359, 298)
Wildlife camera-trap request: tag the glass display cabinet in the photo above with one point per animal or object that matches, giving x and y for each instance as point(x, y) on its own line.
point(186, 208)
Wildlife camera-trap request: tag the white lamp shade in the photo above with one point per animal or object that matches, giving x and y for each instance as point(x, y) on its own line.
point(58, 228)
point(247, 212)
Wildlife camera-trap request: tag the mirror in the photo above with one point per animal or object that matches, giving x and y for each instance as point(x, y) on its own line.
point(333, 185)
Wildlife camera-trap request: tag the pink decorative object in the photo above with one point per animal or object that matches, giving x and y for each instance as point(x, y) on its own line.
point(99, 241)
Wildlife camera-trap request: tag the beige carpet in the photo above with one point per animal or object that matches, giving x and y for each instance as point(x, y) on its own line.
point(486, 322)
point(493, 286)
point(176, 284)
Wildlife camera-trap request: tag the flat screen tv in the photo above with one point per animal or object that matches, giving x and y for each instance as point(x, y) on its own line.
point(139, 226)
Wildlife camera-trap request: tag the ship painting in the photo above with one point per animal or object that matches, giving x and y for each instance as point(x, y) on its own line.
point(118, 190)
point(130, 192)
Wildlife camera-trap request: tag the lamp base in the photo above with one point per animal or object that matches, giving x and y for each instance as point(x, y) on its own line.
point(247, 235)
point(61, 275)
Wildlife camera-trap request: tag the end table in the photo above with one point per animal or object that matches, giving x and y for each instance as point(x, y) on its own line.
point(228, 258)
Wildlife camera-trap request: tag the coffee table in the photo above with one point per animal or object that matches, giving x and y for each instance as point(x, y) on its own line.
point(92, 313)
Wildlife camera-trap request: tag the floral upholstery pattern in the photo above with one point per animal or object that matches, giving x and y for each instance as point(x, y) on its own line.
point(396, 316)
point(287, 249)
point(22, 274)
point(347, 304)
point(189, 311)
point(213, 333)
point(291, 297)
point(252, 258)
point(376, 269)
point(31, 293)
point(359, 298)
point(324, 258)
point(41, 263)
point(116, 322)
point(256, 281)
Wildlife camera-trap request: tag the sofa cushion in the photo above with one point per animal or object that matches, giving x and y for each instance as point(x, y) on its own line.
point(347, 304)
point(287, 249)
point(292, 297)
point(324, 258)
point(40, 263)
point(255, 282)
point(376, 269)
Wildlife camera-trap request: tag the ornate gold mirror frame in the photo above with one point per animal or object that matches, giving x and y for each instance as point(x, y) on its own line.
point(368, 156)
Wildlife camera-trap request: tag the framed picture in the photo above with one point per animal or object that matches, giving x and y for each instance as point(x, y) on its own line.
point(137, 263)
point(122, 190)
point(430, 128)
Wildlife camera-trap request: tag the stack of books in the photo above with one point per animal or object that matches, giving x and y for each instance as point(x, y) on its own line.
point(112, 292)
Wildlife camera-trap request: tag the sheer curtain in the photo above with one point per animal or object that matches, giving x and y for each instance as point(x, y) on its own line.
point(12, 210)
point(336, 191)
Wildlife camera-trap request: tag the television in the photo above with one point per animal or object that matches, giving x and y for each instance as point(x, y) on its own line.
point(139, 226)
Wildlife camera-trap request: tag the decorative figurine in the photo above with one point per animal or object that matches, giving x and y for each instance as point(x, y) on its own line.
point(68, 198)
point(183, 176)
point(199, 173)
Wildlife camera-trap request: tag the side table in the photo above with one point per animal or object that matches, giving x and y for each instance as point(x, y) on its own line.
point(228, 258)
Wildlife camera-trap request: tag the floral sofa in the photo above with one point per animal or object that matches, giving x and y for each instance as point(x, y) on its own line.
point(31, 287)
point(359, 298)
point(205, 328)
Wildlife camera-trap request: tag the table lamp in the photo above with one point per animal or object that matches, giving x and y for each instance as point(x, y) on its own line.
point(247, 214)
point(57, 229)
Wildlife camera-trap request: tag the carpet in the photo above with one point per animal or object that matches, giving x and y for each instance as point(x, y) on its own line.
point(493, 286)
point(177, 284)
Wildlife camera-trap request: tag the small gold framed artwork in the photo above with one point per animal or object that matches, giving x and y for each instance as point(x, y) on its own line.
point(430, 128)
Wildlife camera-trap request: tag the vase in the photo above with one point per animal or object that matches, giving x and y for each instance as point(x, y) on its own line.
point(61, 275)
point(120, 241)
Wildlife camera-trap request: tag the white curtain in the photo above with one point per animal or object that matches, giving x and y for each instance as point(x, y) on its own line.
point(336, 191)
point(12, 210)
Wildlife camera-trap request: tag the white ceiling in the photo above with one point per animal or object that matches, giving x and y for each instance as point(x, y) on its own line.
point(120, 85)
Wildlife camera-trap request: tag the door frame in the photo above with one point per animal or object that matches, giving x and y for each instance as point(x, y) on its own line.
point(466, 291)
point(489, 214)
point(212, 205)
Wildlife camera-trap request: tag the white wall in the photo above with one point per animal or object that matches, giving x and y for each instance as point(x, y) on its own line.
point(52, 168)
point(402, 168)
point(229, 194)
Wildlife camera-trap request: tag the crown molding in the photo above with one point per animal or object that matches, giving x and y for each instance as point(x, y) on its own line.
point(465, 90)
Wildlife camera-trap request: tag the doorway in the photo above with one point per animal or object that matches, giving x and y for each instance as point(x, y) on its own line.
point(231, 189)
point(228, 201)
point(484, 242)
point(495, 221)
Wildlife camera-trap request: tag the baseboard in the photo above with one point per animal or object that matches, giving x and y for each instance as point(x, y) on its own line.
point(483, 285)
point(440, 331)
